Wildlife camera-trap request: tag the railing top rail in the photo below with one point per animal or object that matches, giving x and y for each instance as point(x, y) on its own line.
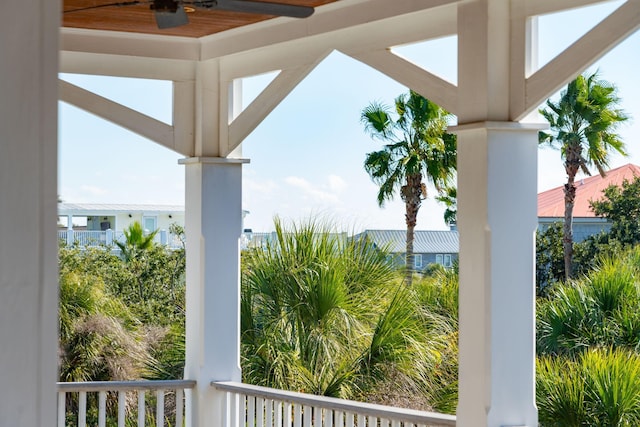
point(369, 409)
point(125, 385)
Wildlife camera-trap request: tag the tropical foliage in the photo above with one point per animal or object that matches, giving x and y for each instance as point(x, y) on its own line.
point(417, 149)
point(583, 124)
point(327, 315)
point(120, 319)
point(136, 241)
point(322, 313)
point(600, 387)
point(589, 345)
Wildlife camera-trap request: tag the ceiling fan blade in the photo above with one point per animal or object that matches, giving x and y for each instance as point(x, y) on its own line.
point(169, 13)
point(166, 19)
point(264, 8)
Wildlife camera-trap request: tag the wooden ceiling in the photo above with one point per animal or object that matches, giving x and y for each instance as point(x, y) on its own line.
point(139, 18)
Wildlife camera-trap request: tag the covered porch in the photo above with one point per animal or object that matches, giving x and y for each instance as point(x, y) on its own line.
point(499, 85)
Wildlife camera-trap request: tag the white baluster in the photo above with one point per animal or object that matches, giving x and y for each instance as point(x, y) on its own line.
point(308, 416)
point(350, 419)
point(179, 407)
point(269, 412)
point(141, 408)
point(62, 408)
point(259, 412)
point(122, 406)
point(251, 413)
point(287, 414)
point(82, 409)
point(278, 408)
point(102, 409)
point(160, 408)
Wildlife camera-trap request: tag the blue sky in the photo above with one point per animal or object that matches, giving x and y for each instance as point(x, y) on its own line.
point(307, 156)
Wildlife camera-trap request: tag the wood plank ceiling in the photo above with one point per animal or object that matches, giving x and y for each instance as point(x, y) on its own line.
point(139, 18)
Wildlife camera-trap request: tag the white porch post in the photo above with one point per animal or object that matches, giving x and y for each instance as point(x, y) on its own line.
point(213, 227)
point(497, 219)
point(497, 214)
point(28, 215)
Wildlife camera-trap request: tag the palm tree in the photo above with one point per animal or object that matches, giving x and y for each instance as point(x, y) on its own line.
point(583, 125)
point(325, 314)
point(418, 148)
point(136, 240)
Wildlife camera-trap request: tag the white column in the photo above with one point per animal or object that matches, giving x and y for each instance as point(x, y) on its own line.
point(497, 170)
point(213, 228)
point(28, 214)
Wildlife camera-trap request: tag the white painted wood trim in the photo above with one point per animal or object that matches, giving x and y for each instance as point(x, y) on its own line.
point(126, 66)
point(128, 118)
point(405, 72)
point(541, 7)
point(184, 102)
point(576, 58)
point(211, 160)
point(335, 17)
point(265, 103)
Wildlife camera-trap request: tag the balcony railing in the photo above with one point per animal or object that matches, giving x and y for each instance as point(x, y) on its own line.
point(85, 238)
point(124, 402)
point(264, 407)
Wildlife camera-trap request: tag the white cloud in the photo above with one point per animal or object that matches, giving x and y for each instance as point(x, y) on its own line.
point(316, 193)
point(337, 184)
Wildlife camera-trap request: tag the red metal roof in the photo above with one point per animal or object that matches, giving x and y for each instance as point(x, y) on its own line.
point(551, 202)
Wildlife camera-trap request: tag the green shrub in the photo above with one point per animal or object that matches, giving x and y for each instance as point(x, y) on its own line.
point(597, 388)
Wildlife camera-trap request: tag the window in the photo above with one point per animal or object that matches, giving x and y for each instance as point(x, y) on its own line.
point(149, 224)
point(417, 260)
point(447, 260)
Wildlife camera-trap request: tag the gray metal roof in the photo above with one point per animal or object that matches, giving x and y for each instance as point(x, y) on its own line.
point(425, 241)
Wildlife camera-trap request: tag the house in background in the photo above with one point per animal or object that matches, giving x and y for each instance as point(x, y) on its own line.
point(429, 247)
point(585, 222)
point(93, 224)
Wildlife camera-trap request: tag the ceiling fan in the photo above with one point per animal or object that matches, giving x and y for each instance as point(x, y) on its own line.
point(172, 13)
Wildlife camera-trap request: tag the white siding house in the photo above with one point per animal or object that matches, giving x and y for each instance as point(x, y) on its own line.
point(92, 223)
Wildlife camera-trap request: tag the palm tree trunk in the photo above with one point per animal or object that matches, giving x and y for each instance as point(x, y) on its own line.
point(412, 196)
point(567, 238)
point(409, 255)
point(572, 164)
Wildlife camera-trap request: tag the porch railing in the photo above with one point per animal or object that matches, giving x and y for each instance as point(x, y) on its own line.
point(124, 402)
point(85, 238)
point(264, 407)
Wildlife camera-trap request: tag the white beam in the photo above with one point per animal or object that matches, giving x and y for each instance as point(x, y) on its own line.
point(524, 58)
point(129, 44)
point(484, 40)
point(585, 51)
point(128, 118)
point(211, 94)
point(184, 110)
point(542, 7)
point(414, 77)
point(28, 212)
point(264, 103)
point(331, 18)
point(126, 66)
